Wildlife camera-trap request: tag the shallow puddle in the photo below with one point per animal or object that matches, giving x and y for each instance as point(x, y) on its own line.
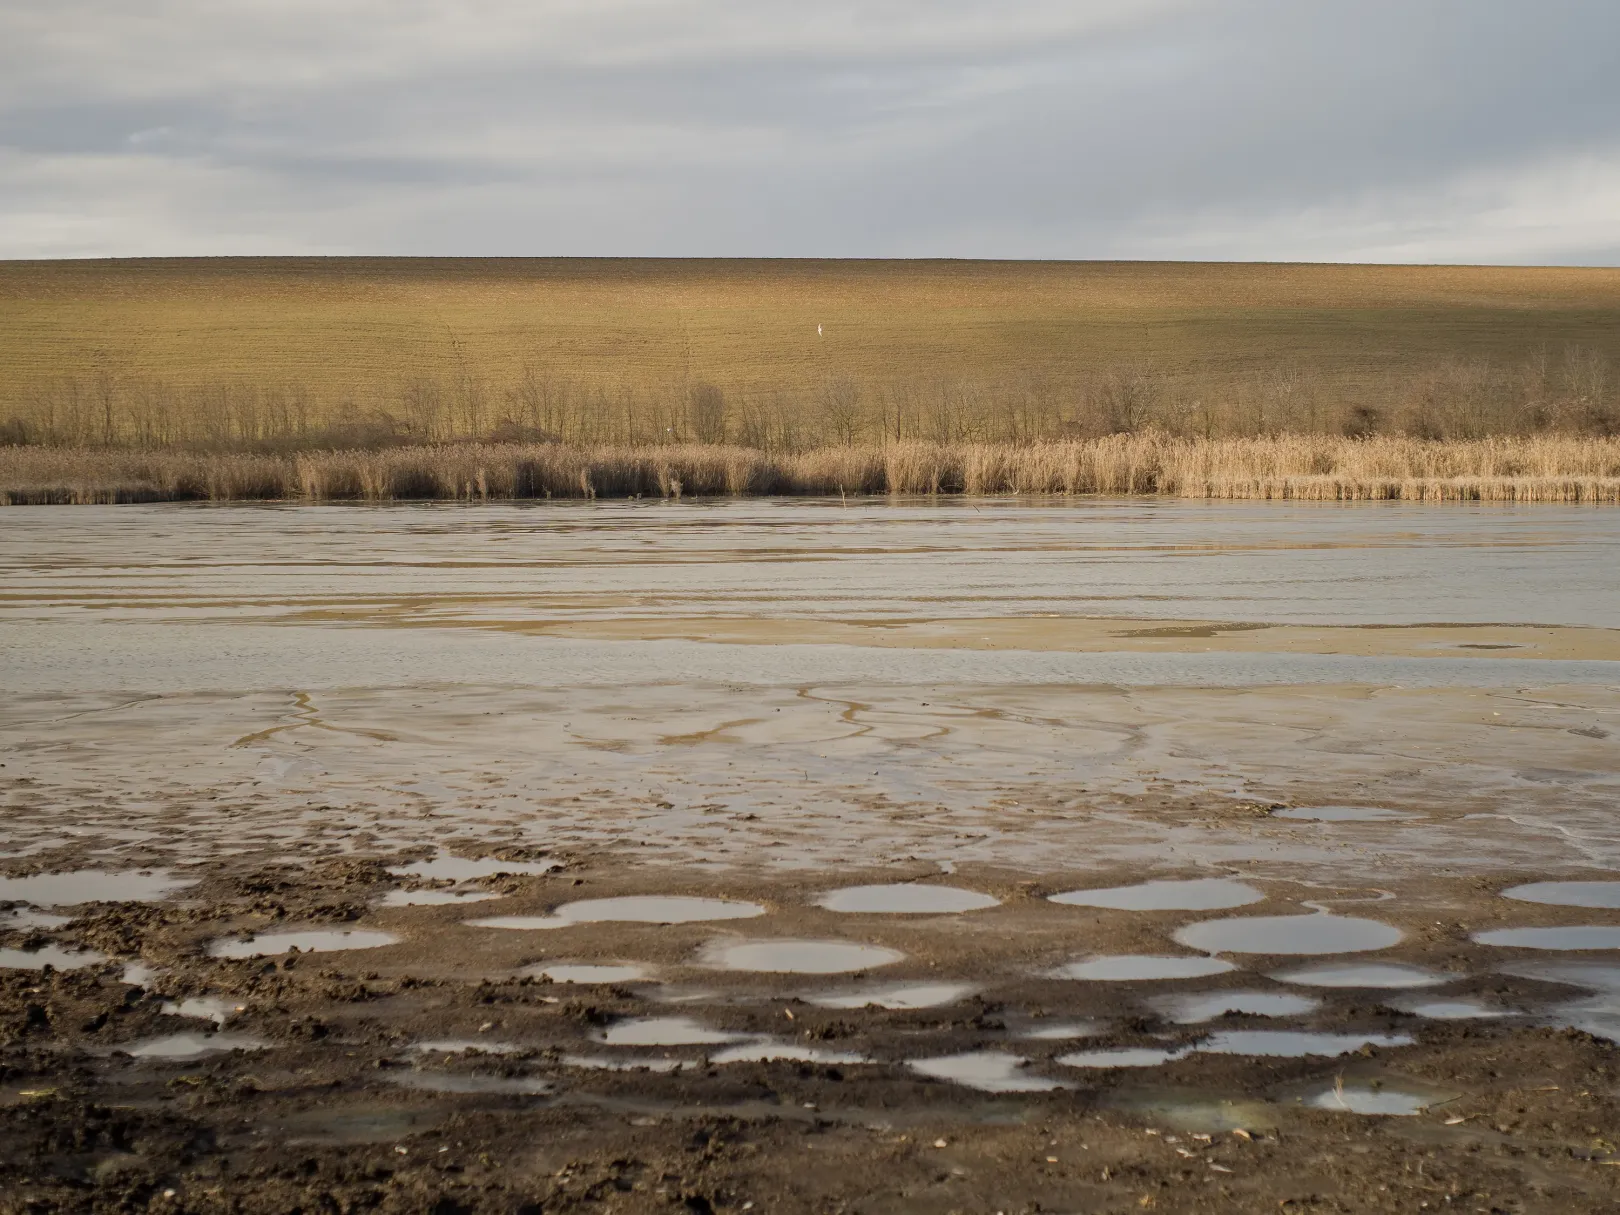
point(23, 917)
point(1341, 814)
point(896, 996)
point(460, 869)
point(1200, 894)
point(664, 1031)
point(452, 1082)
point(1062, 1031)
point(988, 1071)
point(1567, 894)
point(1293, 1043)
point(1283, 934)
point(49, 955)
point(323, 1127)
point(435, 898)
point(1451, 1010)
point(1194, 1111)
point(906, 899)
point(1577, 936)
point(91, 886)
point(782, 1052)
point(1124, 1056)
point(1387, 975)
point(1197, 1007)
point(1593, 976)
point(598, 1064)
point(1126, 968)
point(1388, 1100)
point(461, 1046)
point(798, 957)
point(191, 1045)
point(312, 940)
point(635, 909)
point(588, 972)
point(217, 1009)
point(138, 974)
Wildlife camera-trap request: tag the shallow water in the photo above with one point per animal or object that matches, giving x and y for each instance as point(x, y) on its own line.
point(1196, 1007)
point(218, 1009)
point(308, 940)
point(470, 1083)
point(783, 1052)
point(1451, 1010)
point(588, 972)
point(191, 1045)
point(1567, 894)
point(1130, 967)
point(908, 899)
point(1575, 936)
point(1293, 1043)
point(1124, 1056)
point(1387, 1100)
point(798, 957)
point(664, 1031)
point(1340, 814)
point(435, 898)
point(988, 1071)
point(91, 886)
point(1202, 894)
point(636, 909)
point(1391, 975)
point(895, 996)
point(49, 955)
point(446, 867)
point(459, 1046)
point(1285, 934)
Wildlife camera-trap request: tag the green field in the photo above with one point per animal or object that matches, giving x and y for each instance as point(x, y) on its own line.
point(277, 353)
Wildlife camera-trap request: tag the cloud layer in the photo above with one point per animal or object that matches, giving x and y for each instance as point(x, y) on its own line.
point(1442, 130)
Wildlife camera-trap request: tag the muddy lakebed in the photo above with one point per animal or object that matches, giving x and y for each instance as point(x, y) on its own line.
point(880, 856)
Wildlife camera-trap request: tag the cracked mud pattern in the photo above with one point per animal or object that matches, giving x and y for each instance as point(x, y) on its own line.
point(488, 860)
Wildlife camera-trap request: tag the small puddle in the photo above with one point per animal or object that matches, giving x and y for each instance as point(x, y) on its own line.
point(1451, 1010)
point(1579, 936)
point(90, 886)
point(1388, 1100)
point(1567, 894)
point(452, 1082)
point(23, 917)
point(1125, 1056)
point(906, 899)
point(138, 974)
point(664, 1031)
point(988, 1071)
point(587, 973)
point(1194, 1111)
point(1341, 814)
point(896, 996)
point(1197, 1007)
point(1593, 976)
point(435, 898)
point(1201, 894)
point(1062, 1031)
point(313, 940)
point(798, 957)
point(596, 1064)
point(322, 1127)
point(1126, 968)
point(49, 955)
point(782, 1052)
point(204, 1008)
point(1293, 1043)
point(1283, 934)
point(190, 1045)
point(460, 869)
point(636, 909)
point(461, 1046)
point(1388, 975)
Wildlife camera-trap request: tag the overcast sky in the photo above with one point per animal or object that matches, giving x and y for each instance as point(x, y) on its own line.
point(1359, 130)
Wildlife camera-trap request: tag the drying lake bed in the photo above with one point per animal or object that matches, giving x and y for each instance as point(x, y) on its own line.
point(876, 855)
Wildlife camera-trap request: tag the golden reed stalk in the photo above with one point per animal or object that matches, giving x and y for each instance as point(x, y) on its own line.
point(1317, 468)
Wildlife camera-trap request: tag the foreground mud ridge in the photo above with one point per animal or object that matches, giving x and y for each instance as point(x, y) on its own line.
point(1297, 467)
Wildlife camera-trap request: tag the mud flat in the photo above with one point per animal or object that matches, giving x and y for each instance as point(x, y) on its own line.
point(778, 857)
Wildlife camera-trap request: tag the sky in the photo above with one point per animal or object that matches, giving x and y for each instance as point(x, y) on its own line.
point(1288, 130)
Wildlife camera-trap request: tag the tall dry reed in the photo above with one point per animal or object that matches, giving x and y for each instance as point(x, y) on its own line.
point(1542, 468)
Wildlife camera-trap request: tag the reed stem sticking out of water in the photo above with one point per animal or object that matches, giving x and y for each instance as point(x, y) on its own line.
point(1536, 468)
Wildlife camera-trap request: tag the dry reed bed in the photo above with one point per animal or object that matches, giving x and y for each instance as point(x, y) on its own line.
point(1302, 467)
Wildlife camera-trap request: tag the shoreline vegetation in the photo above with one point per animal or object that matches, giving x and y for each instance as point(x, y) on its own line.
point(1299, 467)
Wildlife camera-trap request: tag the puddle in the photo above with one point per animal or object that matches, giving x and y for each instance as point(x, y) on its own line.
point(664, 1031)
point(49, 955)
point(460, 869)
point(1579, 936)
point(597, 1064)
point(987, 1071)
point(1126, 968)
point(191, 1045)
point(1594, 976)
point(1063, 1031)
point(1363, 974)
point(782, 1052)
point(1293, 1043)
point(460, 1046)
point(1451, 1010)
point(906, 899)
point(896, 996)
point(23, 917)
point(1202, 894)
point(1341, 814)
point(205, 1008)
point(1195, 1111)
point(1567, 894)
point(798, 957)
point(635, 909)
point(138, 974)
point(313, 940)
point(355, 1126)
point(585, 973)
point(1198, 1007)
point(90, 886)
point(434, 898)
point(1281, 934)
point(1125, 1056)
point(1389, 1100)
point(452, 1082)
